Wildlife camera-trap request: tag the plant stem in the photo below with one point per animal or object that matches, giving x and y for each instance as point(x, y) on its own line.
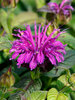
point(30, 83)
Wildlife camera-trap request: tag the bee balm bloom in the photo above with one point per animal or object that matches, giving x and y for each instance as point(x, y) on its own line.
point(65, 7)
point(33, 49)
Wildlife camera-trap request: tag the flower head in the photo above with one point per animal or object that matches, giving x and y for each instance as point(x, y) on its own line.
point(58, 12)
point(33, 49)
point(65, 7)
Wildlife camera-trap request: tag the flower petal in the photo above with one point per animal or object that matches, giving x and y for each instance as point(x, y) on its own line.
point(51, 58)
point(53, 7)
point(40, 57)
point(15, 54)
point(28, 57)
point(33, 63)
point(21, 58)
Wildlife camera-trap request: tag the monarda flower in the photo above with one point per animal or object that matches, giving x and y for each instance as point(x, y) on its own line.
point(63, 10)
point(34, 49)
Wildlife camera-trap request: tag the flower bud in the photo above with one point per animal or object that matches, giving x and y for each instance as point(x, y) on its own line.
point(7, 79)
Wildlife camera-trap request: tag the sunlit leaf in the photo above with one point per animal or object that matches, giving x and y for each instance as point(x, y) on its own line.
point(53, 94)
point(37, 95)
point(61, 96)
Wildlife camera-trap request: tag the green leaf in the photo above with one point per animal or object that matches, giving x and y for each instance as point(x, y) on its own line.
point(61, 96)
point(36, 86)
point(63, 79)
point(69, 59)
point(68, 39)
point(4, 43)
point(53, 94)
point(14, 97)
point(63, 82)
point(37, 95)
point(3, 20)
point(24, 17)
point(53, 73)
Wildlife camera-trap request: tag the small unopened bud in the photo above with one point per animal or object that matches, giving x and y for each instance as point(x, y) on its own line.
point(7, 79)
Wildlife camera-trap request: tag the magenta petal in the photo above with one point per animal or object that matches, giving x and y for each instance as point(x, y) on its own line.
point(15, 54)
point(11, 50)
point(68, 7)
point(28, 57)
point(33, 63)
point(21, 58)
point(53, 7)
point(52, 59)
point(40, 57)
point(58, 59)
point(58, 43)
point(60, 55)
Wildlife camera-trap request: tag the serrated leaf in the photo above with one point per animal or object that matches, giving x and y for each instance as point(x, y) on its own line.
point(4, 43)
point(24, 17)
point(37, 95)
point(23, 83)
point(14, 97)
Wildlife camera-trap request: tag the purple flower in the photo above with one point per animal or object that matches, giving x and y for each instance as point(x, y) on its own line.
point(64, 6)
point(33, 49)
